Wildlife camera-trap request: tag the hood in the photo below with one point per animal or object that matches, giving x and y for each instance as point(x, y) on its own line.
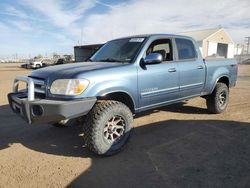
point(72, 69)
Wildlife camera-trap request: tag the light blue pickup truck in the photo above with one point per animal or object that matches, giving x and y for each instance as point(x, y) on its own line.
point(124, 77)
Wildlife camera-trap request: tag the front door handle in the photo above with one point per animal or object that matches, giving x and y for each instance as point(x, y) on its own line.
point(172, 70)
point(200, 67)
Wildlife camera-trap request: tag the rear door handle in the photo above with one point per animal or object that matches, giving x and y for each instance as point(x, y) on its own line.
point(200, 67)
point(172, 70)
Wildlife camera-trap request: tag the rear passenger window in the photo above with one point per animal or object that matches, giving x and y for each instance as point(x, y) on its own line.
point(185, 49)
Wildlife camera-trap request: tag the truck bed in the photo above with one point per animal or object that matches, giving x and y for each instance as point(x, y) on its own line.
point(218, 68)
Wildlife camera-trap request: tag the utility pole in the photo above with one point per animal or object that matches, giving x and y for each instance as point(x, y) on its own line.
point(248, 43)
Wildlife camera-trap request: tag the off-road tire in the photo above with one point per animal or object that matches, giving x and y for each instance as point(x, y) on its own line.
point(214, 104)
point(96, 121)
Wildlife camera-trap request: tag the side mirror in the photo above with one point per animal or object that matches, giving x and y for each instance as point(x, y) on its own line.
point(153, 58)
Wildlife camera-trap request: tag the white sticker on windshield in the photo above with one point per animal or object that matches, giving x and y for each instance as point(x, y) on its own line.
point(136, 40)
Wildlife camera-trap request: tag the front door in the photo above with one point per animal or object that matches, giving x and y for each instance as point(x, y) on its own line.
point(158, 83)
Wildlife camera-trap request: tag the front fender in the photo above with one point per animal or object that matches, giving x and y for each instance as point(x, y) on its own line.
point(107, 87)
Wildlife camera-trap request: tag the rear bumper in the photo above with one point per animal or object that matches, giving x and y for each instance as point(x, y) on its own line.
point(43, 110)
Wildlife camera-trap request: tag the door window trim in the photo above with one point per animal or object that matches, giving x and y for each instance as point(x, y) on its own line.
point(172, 46)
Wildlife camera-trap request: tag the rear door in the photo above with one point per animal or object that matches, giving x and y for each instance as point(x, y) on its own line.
point(158, 83)
point(191, 68)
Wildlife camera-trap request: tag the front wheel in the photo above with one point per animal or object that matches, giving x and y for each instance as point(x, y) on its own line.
point(107, 127)
point(217, 102)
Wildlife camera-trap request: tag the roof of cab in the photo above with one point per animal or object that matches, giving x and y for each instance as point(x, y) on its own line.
point(155, 35)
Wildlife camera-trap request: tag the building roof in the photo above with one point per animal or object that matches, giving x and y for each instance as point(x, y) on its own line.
point(201, 34)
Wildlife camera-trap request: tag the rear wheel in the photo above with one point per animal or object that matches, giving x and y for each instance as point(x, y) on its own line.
point(217, 102)
point(107, 127)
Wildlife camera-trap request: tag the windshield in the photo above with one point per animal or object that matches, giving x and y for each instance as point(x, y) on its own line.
point(120, 50)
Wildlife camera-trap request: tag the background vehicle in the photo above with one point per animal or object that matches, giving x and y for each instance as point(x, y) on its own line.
point(36, 64)
point(124, 77)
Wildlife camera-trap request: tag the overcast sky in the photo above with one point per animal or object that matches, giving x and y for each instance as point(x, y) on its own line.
point(29, 27)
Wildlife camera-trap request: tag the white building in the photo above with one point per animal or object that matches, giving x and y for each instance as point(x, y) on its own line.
point(213, 42)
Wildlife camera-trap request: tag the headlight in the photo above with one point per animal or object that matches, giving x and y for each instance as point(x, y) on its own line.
point(69, 86)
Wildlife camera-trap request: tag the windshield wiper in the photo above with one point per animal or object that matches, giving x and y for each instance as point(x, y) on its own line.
point(110, 60)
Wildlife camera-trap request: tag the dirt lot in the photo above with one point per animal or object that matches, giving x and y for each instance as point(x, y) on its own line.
point(177, 146)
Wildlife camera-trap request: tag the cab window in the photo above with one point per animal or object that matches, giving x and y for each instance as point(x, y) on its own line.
point(163, 47)
point(185, 48)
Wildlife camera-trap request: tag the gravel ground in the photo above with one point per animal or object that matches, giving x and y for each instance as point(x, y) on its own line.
point(181, 145)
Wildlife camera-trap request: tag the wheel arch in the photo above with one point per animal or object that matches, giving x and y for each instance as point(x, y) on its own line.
point(222, 79)
point(120, 96)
